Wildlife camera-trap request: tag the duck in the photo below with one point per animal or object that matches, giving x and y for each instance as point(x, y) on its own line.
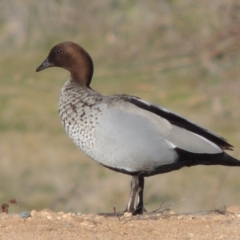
point(126, 133)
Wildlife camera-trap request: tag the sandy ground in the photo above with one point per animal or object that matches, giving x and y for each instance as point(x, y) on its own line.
point(51, 225)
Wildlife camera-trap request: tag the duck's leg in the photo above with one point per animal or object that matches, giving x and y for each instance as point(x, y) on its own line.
point(133, 194)
point(140, 208)
point(135, 202)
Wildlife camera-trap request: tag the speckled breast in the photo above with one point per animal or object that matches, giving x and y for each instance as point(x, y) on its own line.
point(80, 110)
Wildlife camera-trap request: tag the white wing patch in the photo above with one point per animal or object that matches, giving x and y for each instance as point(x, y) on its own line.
point(186, 139)
point(192, 142)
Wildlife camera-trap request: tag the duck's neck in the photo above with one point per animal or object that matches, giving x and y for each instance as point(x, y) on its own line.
point(80, 79)
point(82, 71)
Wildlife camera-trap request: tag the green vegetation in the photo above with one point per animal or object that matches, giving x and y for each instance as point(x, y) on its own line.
point(182, 55)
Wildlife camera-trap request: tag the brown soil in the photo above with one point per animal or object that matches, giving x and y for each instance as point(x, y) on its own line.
point(50, 225)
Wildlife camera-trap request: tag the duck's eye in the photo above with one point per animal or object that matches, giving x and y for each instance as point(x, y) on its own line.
point(58, 51)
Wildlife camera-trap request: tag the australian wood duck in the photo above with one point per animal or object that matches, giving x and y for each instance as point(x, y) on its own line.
point(128, 134)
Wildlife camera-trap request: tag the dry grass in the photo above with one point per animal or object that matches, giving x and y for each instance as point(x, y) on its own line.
point(179, 54)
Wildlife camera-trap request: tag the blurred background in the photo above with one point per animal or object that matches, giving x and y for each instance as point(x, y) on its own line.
point(183, 55)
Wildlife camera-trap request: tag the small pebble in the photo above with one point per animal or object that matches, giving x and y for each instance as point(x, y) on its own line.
point(127, 214)
point(24, 214)
point(85, 223)
point(33, 213)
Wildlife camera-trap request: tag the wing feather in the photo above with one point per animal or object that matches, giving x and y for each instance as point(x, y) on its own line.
point(181, 122)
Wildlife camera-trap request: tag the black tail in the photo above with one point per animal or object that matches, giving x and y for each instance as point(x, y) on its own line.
point(192, 159)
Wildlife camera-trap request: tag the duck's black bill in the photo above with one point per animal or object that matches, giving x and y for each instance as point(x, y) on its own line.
point(45, 64)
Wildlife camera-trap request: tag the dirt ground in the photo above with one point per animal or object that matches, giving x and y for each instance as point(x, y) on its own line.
point(47, 224)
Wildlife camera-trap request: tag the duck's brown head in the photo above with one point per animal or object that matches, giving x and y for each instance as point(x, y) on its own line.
point(72, 57)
